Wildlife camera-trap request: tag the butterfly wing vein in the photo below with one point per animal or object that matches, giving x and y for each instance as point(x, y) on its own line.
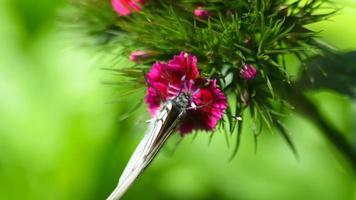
point(159, 130)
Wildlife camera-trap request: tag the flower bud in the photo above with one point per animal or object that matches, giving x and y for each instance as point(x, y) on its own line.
point(201, 13)
point(137, 56)
point(283, 10)
point(248, 72)
point(126, 7)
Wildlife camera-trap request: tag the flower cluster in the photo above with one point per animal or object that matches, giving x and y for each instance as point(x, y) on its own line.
point(166, 81)
point(242, 46)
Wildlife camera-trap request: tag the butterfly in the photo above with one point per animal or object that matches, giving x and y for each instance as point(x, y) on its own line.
point(178, 99)
point(166, 122)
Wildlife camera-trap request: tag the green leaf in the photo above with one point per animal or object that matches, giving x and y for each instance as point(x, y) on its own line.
point(238, 139)
point(331, 71)
point(284, 133)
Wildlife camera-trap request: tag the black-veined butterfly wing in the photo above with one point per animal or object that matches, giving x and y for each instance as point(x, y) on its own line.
point(160, 128)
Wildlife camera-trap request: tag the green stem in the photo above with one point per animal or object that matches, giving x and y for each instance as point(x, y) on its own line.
point(335, 137)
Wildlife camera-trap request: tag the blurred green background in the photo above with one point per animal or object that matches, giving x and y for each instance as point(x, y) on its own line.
point(61, 137)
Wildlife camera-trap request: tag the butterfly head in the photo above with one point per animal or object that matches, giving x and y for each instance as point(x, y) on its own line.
point(183, 100)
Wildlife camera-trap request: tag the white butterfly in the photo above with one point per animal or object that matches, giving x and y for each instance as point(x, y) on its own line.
point(165, 123)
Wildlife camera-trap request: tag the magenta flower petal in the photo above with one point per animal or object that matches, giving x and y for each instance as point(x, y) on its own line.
point(201, 13)
point(136, 4)
point(126, 7)
point(157, 87)
point(165, 80)
point(210, 103)
point(186, 65)
point(137, 56)
point(180, 75)
point(120, 7)
point(248, 72)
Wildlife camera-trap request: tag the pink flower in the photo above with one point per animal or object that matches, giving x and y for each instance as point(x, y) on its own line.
point(210, 105)
point(137, 56)
point(126, 7)
point(248, 72)
point(201, 13)
point(166, 81)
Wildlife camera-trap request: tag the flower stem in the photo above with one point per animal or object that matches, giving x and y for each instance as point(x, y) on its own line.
point(310, 110)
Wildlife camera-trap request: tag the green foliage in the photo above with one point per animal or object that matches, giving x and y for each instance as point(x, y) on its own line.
point(332, 71)
point(94, 18)
point(28, 13)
